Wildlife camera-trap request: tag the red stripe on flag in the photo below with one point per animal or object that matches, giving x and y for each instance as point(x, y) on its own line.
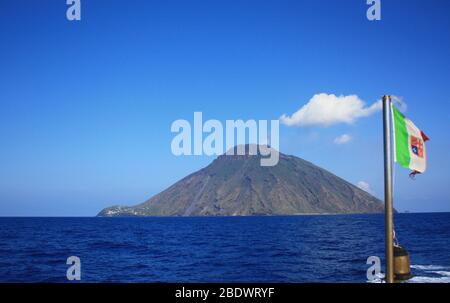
point(424, 137)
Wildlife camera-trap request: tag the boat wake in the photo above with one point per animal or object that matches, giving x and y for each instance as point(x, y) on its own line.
point(423, 274)
point(430, 274)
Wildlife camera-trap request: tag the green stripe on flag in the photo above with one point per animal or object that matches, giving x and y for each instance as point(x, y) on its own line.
point(401, 136)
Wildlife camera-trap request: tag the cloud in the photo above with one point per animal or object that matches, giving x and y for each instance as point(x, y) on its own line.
point(365, 187)
point(326, 110)
point(342, 139)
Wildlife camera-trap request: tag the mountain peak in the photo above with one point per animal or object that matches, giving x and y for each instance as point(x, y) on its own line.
point(236, 184)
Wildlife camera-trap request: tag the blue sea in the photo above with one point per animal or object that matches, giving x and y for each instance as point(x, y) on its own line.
point(219, 249)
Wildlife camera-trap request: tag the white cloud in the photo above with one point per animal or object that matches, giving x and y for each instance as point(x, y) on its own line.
point(342, 139)
point(329, 109)
point(365, 186)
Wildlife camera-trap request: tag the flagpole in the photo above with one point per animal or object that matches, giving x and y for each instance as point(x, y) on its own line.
point(388, 191)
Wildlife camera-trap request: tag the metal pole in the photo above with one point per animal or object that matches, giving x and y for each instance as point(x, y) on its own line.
point(388, 190)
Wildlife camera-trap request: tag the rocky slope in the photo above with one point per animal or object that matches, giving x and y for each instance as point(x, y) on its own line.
point(239, 185)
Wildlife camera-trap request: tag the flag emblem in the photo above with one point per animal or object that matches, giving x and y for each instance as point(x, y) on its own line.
point(417, 146)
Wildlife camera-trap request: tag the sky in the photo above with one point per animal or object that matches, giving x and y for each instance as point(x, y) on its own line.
point(86, 106)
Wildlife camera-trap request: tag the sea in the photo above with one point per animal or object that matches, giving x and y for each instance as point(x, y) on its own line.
point(314, 248)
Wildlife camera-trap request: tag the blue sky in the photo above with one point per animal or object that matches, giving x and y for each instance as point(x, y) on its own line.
point(86, 107)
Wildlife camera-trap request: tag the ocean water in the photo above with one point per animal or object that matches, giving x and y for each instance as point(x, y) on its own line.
point(218, 249)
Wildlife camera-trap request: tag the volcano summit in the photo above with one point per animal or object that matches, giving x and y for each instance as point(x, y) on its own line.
point(239, 186)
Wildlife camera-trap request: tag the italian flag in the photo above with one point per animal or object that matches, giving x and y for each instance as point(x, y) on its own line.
point(409, 143)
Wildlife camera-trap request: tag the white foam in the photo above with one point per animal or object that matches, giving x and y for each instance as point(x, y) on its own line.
point(379, 278)
point(437, 272)
point(442, 273)
point(428, 267)
point(429, 280)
